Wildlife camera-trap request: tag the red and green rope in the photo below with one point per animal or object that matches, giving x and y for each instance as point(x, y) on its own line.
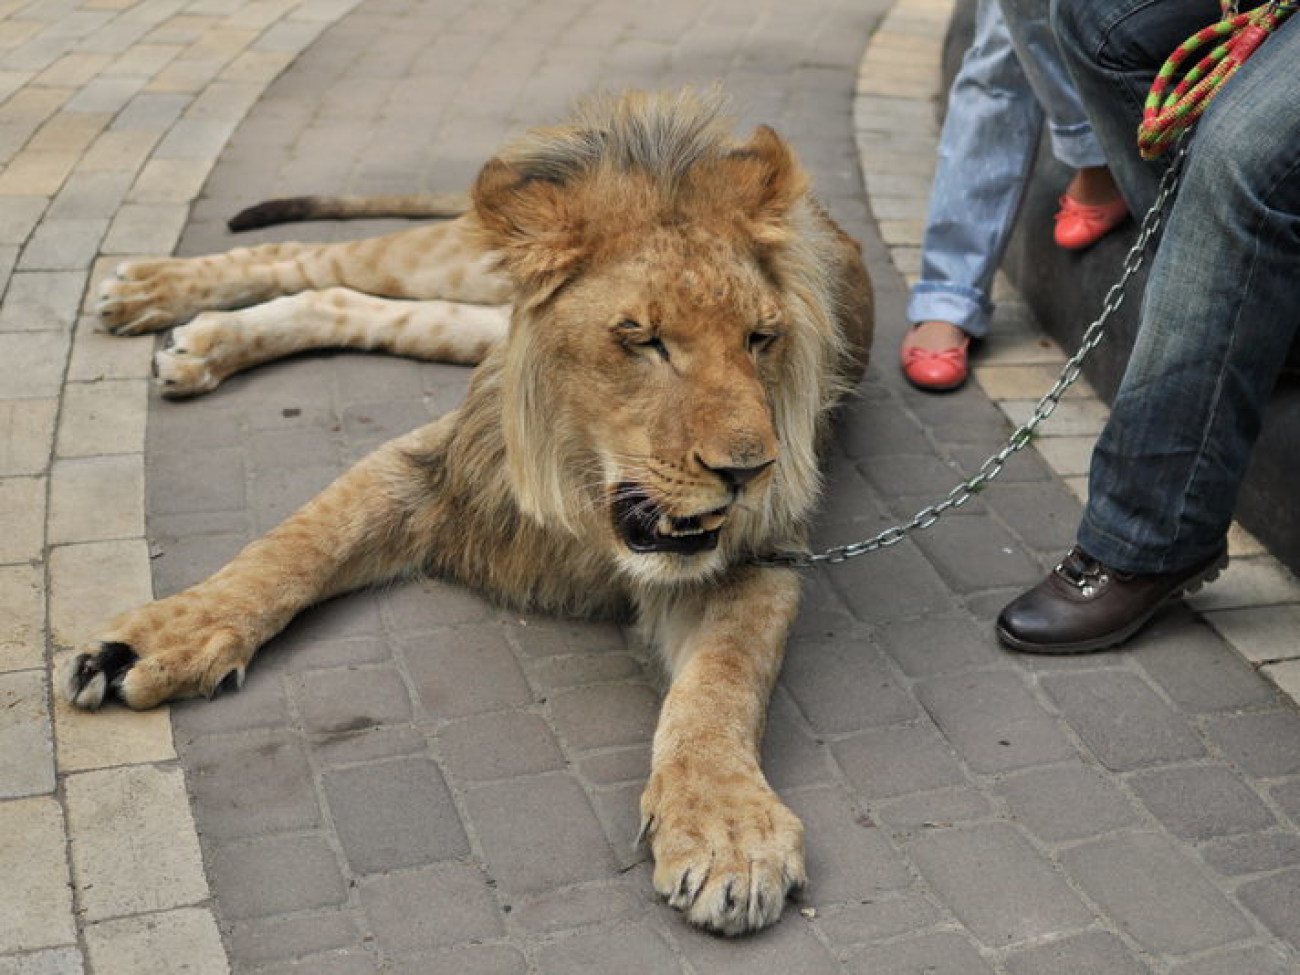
point(1168, 114)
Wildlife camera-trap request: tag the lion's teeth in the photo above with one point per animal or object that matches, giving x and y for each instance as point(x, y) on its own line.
point(712, 522)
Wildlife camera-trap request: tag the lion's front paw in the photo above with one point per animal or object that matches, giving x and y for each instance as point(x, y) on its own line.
point(726, 853)
point(190, 362)
point(144, 296)
point(160, 652)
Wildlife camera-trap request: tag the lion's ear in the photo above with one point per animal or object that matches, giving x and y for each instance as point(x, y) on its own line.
point(766, 180)
point(529, 222)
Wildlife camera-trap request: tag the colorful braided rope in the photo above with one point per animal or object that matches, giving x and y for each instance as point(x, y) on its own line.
point(1168, 114)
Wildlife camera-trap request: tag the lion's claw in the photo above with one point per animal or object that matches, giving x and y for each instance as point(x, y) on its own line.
point(90, 679)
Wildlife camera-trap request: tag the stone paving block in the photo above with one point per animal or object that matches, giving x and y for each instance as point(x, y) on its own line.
point(997, 884)
point(1286, 675)
point(145, 228)
point(37, 173)
point(276, 875)
point(92, 583)
point(1252, 853)
point(1264, 744)
point(96, 498)
point(170, 181)
point(42, 301)
point(573, 670)
point(117, 152)
point(345, 700)
point(559, 842)
point(153, 945)
point(260, 704)
point(1267, 960)
point(850, 859)
point(179, 563)
point(928, 647)
point(252, 786)
point(26, 435)
point(975, 552)
point(1275, 901)
point(54, 961)
point(22, 517)
point(133, 844)
point(1149, 887)
point(791, 947)
point(626, 947)
point(1191, 664)
point(845, 684)
point(1071, 802)
point(432, 907)
point(993, 721)
point(22, 617)
point(499, 745)
point(105, 417)
point(390, 815)
point(85, 203)
point(36, 912)
point(1247, 582)
point(463, 671)
point(63, 245)
point(887, 762)
point(939, 809)
point(940, 953)
point(893, 584)
point(469, 960)
point(19, 216)
point(578, 907)
point(1121, 720)
point(1201, 802)
point(1094, 953)
point(1259, 633)
point(877, 919)
point(109, 737)
point(196, 481)
point(34, 364)
point(263, 940)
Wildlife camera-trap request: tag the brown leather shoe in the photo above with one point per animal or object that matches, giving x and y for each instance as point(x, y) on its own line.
point(1084, 606)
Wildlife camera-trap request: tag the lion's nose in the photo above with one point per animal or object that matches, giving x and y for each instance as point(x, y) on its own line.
point(737, 477)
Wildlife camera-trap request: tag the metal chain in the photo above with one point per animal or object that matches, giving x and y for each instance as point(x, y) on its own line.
point(1021, 437)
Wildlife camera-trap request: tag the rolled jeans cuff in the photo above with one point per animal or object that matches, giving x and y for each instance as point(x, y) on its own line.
point(1076, 146)
point(966, 308)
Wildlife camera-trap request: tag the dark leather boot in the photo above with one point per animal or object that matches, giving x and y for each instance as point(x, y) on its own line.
point(1084, 606)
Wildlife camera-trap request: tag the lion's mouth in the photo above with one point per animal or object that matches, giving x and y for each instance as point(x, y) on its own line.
point(643, 527)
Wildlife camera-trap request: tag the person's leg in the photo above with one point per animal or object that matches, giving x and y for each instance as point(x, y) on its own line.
point(1220, 312)
point(986, 150)
point(1221, 309)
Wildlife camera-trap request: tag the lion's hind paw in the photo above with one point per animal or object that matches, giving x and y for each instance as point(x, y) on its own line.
point(90, 679)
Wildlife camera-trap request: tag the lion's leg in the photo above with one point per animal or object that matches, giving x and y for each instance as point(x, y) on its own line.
point(199, 355)
point(727, 850)
point(367, 526)
point(434, 261)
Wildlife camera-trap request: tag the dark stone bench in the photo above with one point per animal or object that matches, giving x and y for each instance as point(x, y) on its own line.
point(1066, 291)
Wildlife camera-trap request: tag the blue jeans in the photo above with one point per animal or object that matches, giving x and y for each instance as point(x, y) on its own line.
point(1011, 78)
point(1222, 301)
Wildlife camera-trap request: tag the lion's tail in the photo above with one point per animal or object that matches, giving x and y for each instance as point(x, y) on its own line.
point(296, 208)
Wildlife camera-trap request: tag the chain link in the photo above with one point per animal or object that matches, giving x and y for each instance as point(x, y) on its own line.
point(1021, 437)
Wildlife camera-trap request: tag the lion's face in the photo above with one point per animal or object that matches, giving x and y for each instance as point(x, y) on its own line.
point(658, 389)
point(657, 369)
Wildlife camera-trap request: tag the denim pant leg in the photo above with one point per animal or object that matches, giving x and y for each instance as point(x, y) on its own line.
point(986, 150)
point(1073, 141)
point(1221, 309)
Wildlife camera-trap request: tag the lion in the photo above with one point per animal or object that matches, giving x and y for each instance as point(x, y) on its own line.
point(664, 320)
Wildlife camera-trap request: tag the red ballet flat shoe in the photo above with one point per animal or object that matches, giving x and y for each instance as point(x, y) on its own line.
point(936, 370)
point(1079, 225)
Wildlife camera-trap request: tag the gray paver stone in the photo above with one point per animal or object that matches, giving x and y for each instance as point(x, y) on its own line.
point(1201, 802)
point(431, 907)
point(1121, 719)
point(993, 721)
point(896, 761)
point(463, 671)
point(1001, 888)
point(393, 814)
point(845, 683)
point(276, 875)
point(624, 947)
point(1094, 953)
point(1155, 893)
point(1068, 803)
point(849, 857)
point(1265, 744)
point(941, 953)
point(1275, 900)
point(259, 784)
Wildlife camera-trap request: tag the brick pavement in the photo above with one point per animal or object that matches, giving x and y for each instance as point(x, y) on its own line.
point(413, 781)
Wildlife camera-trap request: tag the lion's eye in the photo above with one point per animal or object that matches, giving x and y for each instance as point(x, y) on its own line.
point(761, 341)
point(637, 337)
